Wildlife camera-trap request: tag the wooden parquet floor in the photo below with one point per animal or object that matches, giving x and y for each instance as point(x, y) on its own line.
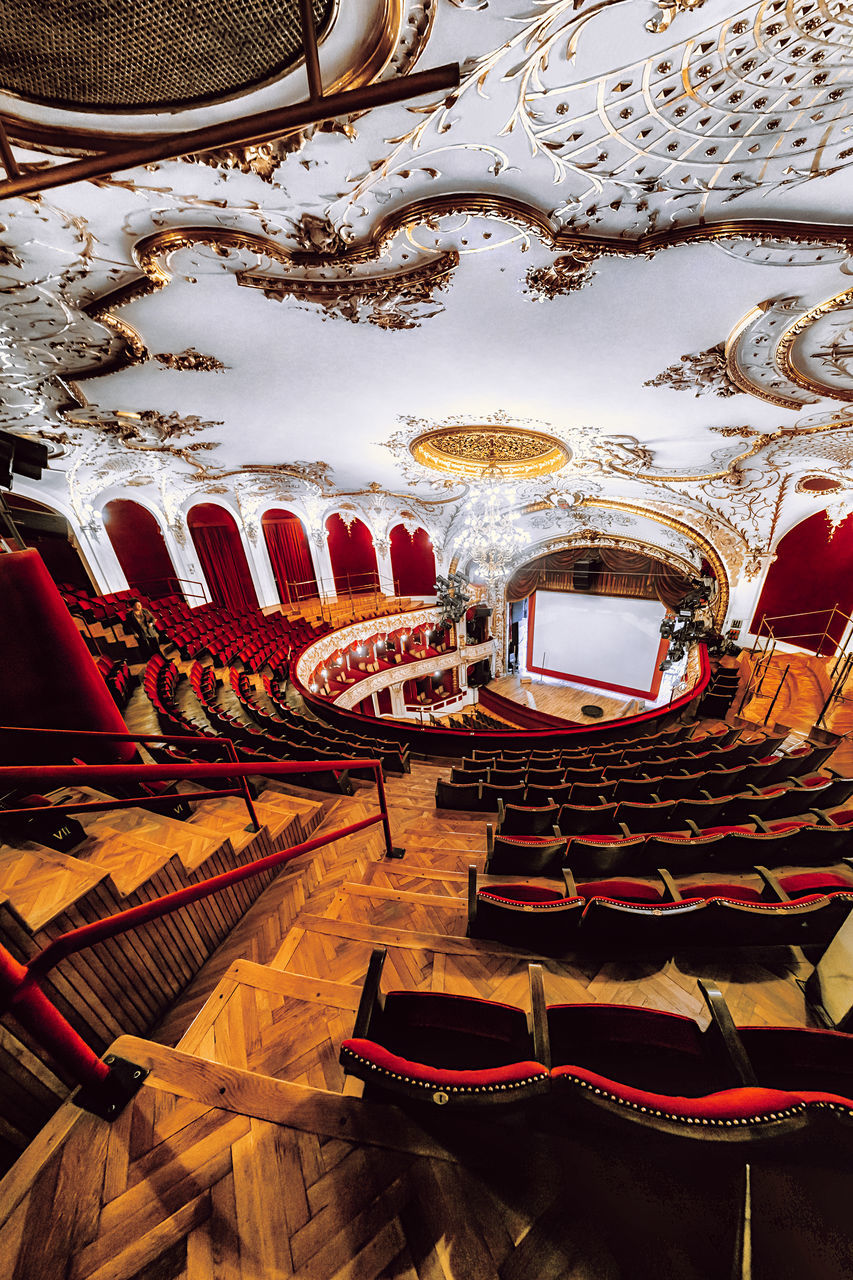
point(246, 1157)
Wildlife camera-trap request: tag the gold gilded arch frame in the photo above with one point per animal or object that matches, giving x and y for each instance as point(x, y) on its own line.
point(707, 548)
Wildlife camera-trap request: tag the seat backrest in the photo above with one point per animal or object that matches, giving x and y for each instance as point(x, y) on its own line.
point(529, 820)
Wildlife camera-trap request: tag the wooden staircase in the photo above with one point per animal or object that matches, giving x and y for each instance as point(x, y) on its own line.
point(130, 856)
point(245, 1157)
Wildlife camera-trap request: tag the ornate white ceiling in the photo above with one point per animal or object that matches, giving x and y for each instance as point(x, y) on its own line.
point(630, 227)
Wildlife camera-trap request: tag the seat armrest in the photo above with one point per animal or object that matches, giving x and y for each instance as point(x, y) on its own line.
point(472, 896)
point(671, 891)
point(539, 1016)
point(370, 996)
point(556, 831)
point(762, 826)
point(822, 816)
point(501, 811)
point(569, 881)
point(694, 830)
point(772, 884)
point(725, 1035)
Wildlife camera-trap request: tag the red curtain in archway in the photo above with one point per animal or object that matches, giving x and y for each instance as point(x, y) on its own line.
point(290, 555)
point(223, 561)
point(352, 555)
point(412, 562)
point(812, 572)
point(140, 548)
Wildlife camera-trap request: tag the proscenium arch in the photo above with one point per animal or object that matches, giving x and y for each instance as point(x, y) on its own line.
point(550, 546)
point(709, 551)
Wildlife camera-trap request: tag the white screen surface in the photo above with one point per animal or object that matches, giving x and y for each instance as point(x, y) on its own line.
point(607, 640)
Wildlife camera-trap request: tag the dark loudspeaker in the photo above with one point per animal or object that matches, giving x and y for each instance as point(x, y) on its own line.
point(582, 575)
point(482, 611)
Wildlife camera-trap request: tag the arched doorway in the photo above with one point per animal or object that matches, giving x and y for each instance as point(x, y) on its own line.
point(812, 573)
point(223, 561)
point(48, 532)
point(140, 548)
point(290, 555)
point(353, 556)
point(412, 562)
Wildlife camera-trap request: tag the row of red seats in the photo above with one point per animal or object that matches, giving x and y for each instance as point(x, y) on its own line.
point(637, 1065)
point(816, 840)
point(661, 793)
point(794, 910)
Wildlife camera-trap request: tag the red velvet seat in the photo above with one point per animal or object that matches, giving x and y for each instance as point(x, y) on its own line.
point(431, 1047)
point(659, 1070)
point(524, 855)
point(527, 820)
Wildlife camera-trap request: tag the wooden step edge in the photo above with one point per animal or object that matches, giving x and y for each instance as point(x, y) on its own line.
point(247, 973)
point(459, 903)
point(262, 1097)
point(409, 939)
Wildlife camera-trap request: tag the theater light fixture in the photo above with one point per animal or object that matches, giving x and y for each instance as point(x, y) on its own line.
point(491, 535)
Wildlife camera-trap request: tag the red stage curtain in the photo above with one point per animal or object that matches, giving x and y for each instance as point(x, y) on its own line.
point(223, 560)
point(353, 556)
point(670, 585)
point(812, 572)
point(140, 547)
point(290, 556)
point(559, 565)
point(412, 562)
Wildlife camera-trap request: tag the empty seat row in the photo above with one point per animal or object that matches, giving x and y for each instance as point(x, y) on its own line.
point(594, 1062)
point(705, 783)
point(797, 843)
point(794, 910)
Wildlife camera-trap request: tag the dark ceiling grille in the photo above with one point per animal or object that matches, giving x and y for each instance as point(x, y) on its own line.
point(138, 54)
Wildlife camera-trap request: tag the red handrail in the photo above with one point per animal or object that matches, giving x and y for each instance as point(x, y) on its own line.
point(19, 986)
point(143, 737)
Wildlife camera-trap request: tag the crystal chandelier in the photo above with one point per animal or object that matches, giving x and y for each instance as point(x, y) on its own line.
point(490, 533)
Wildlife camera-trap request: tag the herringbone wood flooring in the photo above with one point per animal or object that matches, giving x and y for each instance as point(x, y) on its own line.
point(243, 1157)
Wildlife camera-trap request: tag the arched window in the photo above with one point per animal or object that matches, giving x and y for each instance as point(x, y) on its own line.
point(352, 555)
point(140, 548)
point(412, 562)
point(812, 572)
point(223, 561)
point(290, 555)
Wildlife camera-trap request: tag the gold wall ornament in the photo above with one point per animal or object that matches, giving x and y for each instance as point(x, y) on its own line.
point(151, 253)
point(514, 452)
point(760, 329)
point(721, 603)
point(399, 300)
point(817, 486)
point(190, 360)
point(702, 372)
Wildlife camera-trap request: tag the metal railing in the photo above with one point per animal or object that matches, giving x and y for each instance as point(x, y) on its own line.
point(104, 736)
point(111, 1083)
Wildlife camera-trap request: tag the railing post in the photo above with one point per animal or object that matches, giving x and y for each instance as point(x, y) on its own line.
point(254, 825)
point(106, 1086)
point(776, 694)
point(391, 850)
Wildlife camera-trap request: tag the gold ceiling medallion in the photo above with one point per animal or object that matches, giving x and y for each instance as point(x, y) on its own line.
point(515, 452)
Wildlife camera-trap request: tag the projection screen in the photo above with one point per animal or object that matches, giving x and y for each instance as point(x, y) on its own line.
point(611, 641)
